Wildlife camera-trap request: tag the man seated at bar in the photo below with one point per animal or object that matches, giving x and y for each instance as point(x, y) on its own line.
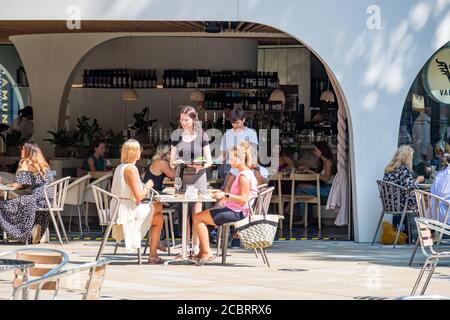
point(233, 206)
point(96, 162)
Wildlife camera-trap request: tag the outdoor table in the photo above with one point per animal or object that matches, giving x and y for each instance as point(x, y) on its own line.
point(185, 203)
point(5, 189)
point(11, 264)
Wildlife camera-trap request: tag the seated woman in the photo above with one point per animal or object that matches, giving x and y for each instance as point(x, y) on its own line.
point(285, 162)
point(233, 206)
point(18, 216)
point(399, 171)
point(160, 167)
point(327, 170)
point(134, 216)
point(96, 162)
point(156, 172)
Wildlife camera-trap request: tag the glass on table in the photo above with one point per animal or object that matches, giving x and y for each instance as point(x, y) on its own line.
point(178, 183)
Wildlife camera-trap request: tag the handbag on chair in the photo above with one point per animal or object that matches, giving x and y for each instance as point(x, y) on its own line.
point(257, 231)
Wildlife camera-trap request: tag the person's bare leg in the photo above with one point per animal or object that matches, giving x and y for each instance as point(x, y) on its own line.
point(155, 230)
point(196, 209)
point(201, 222)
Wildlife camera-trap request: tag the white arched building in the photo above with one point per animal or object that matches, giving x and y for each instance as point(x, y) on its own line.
point(372, 50)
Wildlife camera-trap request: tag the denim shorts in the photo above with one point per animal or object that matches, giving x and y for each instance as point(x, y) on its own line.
point(224, 215)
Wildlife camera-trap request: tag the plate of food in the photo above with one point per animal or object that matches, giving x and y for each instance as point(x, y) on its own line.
point(200, 160)
point(169, 190)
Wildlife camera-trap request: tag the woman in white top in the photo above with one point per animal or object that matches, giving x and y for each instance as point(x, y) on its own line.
point(24, 123)
point(134, 216)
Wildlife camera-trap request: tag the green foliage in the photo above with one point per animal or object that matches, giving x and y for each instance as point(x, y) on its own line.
point(14, 139)
point(141, 121)
point(61, 138)
point(87, 132)
point(114, 142)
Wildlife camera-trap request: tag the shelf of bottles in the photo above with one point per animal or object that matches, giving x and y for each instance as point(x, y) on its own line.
point(256, 100)
point(207, 79)
point(120, 78)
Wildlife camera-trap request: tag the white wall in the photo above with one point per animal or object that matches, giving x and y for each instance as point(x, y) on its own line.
point(294, 68)
point(153, 53)
point(374, 68)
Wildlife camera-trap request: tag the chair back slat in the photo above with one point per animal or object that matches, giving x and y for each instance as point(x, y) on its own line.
point(55, 193)
point(95, 283)
point(76, 190)
point(431, 206)
point(106, 203)
point(391, 196)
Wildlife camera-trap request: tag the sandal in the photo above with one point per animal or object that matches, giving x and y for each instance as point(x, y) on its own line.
point(162, 247)
point(155, 261)
point(202, 262)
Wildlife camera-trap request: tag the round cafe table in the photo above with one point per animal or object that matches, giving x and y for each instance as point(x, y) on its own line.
point(168, 198)
point(23, 265)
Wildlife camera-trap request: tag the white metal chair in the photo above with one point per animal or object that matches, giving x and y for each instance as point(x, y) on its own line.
point(279, 198)
point(104, 183)
point(258, 204)
point(93, 286)
point(390, 196)
point(47, 262)
point(426, 239)
point(304, 198)
point(55, 196)
point(168, 222)
point(432, 207)
point(75, 197)
point(107, 206)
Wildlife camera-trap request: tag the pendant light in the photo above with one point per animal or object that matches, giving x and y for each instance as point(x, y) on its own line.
point(327, 95)
point(197, 95)
point(129, 94)
point(278, 95)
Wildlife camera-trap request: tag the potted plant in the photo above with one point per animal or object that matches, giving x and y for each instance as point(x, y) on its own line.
point(141, 124)
point(13, 140)
point(86, 133)
point(62, 140)
point(114, 142)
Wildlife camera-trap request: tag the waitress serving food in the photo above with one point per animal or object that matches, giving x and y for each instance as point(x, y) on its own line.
point(190, 146)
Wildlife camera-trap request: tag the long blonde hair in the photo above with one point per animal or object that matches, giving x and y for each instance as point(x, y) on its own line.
point(130, 151)
point(34, 159)
point(403, 156)
point(162, 150)
point(243, 150)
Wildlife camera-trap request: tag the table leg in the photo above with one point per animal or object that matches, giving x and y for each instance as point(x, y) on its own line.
point(184, 235)
point(25, 280)
point(184, 239)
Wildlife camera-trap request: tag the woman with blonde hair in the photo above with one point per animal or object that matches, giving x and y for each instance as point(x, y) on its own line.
point(399, 171)
point(134, 215)
point(158, 170)
point(18, 217)
point(232, 206)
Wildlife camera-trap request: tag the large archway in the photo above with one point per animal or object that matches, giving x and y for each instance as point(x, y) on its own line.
point(341, 101)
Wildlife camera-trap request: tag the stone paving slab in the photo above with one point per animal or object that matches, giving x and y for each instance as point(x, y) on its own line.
point(299, 270)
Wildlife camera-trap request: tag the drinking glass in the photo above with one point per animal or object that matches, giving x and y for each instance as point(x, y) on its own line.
point(177, 184)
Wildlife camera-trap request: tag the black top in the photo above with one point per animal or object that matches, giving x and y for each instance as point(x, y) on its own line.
point(157, 180)
point(189, 151)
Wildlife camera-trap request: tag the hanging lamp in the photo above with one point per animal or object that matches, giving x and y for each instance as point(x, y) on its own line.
point(129, 94)
point(278, 95)
point(327, 95)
